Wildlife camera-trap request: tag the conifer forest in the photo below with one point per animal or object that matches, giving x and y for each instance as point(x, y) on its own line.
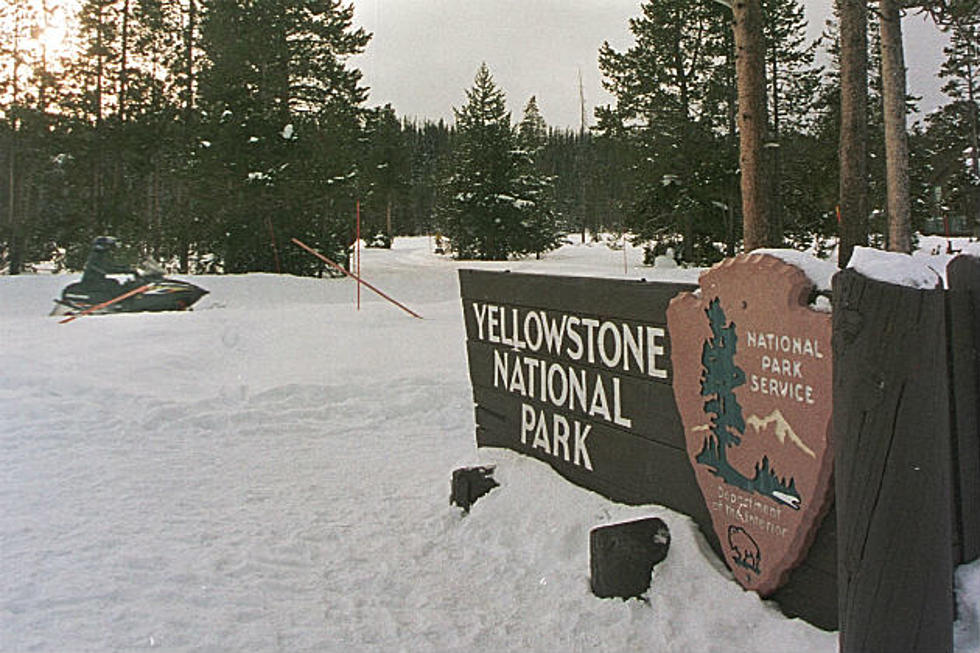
point(208, 133)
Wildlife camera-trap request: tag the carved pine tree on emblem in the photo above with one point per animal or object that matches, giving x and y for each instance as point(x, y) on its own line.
point(720, 377)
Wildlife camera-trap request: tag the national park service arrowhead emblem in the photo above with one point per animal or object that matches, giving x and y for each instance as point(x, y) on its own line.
point(753, 385)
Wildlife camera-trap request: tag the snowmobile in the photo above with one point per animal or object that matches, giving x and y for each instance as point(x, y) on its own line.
point(162, 294)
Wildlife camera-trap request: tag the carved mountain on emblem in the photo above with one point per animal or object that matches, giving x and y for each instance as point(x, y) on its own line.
point(782, 430)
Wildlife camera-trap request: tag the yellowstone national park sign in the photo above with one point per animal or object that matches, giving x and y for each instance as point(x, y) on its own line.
point(585, 375)
point(753, 381)
point(576, 372)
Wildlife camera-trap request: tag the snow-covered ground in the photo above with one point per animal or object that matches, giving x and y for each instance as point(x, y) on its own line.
point(270, 472)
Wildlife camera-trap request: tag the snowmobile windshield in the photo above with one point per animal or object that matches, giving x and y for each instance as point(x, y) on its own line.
point(150, 268)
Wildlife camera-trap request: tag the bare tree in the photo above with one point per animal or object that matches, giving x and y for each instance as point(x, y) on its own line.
point(896, 137)
point(750, 66)
point(853, 127)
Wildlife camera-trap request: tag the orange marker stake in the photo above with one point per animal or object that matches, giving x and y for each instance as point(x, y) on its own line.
point(355, 277)
point(92, 309)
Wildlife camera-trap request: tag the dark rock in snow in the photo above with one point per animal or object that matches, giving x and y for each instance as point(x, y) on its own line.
point(469, 484)
point(622, 556)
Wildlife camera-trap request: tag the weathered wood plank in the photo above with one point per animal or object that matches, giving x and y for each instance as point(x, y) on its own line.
point(893, 467)
point(647, 405)
point(640, 349)
point(624, 467)
point(636, 300)
point(810, 594)
point(963, 276)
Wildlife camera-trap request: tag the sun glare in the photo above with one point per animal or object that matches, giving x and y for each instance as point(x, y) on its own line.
point(53, 37)
point(51, 29)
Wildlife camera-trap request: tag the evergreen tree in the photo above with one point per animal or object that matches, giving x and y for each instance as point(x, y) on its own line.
point(794, 81)
point(752, 123)
point(30, 131)
point(532, 131)
point(894, 110)
point(430, 147)
point(494, 204)
point(283, 122)
point(541, 221)
point(675, 98)
point(961, 72)
point(384, 176)
point(853, 129)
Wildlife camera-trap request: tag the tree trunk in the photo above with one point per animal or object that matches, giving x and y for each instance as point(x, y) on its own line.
point(388, 220)
point(185, 204)
point(14, 257)
point(896, 137)
point(750, 69)
point(776, 228)
point(731, 119)
point(974, 120)
point(853, 127)
point(124, 63)
point(189, 62)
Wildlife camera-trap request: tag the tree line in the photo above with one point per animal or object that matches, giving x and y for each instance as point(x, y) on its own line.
point(208, 133)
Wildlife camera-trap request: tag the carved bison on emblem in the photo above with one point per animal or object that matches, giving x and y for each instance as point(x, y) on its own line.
point(746, 550)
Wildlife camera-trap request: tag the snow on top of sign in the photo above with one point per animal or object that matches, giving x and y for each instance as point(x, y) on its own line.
point(819, 271)
point(972, 249)
point(895, 268)
point(822, 304)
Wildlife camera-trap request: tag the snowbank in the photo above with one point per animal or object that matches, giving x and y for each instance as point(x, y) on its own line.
point(896, 268)
point(271, 472)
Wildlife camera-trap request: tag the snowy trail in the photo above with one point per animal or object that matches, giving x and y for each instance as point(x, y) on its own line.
point(221, 513)
point(271, 473)
point(157, 513)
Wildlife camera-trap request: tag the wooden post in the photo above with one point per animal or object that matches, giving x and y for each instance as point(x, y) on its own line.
point(356, 278)
point(963, 305)
point(893, 466)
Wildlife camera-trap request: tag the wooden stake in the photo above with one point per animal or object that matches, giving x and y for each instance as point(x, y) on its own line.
point(357, 246)
point(355, 277)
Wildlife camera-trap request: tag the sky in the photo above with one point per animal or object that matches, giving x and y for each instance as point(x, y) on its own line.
point(425, 53)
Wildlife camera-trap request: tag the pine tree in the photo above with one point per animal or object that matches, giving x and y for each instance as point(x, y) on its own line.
point(853, 130)
point(532, 131)
point(752, 122)
point(533, 185)
point(718, 382)
point(384, 176)
point(430, 147)
point(494, 204)
point(794, 81)
point(896, 134)
point(284, 122)
point(30, 133)
point(961, 70)
point(675, 98)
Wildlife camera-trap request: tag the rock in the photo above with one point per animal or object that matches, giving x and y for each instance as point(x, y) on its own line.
point(622, 556)
point(469, 484)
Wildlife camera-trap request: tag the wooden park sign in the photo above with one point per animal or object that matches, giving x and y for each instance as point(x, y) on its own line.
point(593, 377)
point(753, 382)
point(576, 372)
